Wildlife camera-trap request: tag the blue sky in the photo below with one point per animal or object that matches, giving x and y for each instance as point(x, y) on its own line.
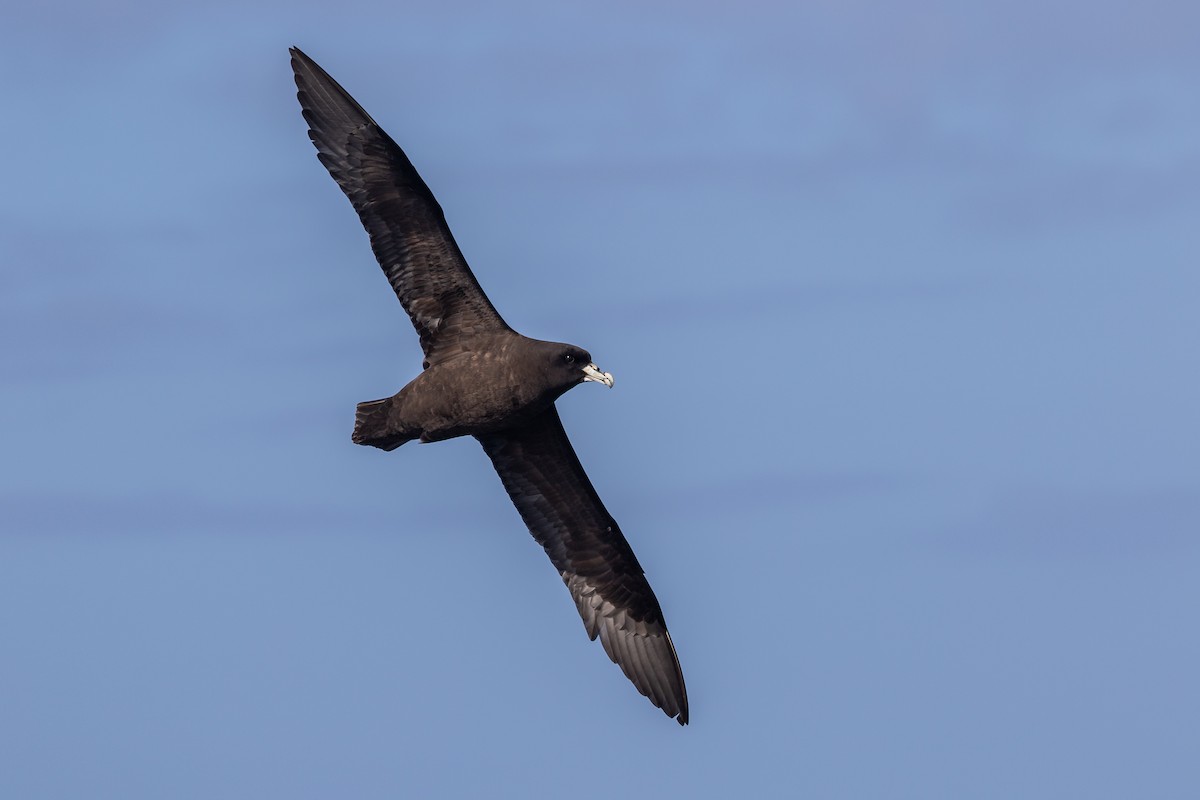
point(902, 309)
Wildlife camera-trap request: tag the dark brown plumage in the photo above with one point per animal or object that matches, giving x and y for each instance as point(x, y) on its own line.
point(483, 379)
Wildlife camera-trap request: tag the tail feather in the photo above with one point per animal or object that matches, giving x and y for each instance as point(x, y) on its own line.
point(372, 426)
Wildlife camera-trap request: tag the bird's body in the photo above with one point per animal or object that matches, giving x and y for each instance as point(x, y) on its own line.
point(505, 381)
point(483, 379)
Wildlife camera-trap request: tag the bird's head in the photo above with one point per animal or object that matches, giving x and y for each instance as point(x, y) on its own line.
point(572, 365)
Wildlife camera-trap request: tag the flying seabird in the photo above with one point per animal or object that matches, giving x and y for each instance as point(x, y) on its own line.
point(482, 378)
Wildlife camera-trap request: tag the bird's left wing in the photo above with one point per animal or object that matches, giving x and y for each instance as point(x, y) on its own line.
point(547, 484)
point(408, 230)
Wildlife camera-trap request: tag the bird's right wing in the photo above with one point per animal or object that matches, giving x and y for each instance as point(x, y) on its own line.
point(407, 227)
point(547, 484)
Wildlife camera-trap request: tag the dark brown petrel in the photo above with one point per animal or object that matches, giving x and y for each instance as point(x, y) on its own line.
point(484, 379)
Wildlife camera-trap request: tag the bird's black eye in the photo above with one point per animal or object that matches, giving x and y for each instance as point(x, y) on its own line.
point(569, 358)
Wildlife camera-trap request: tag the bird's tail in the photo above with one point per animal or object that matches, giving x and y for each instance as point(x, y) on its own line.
point(372, 426)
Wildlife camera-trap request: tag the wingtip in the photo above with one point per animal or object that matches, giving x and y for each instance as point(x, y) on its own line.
point(682, 718)
point(299, 59)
